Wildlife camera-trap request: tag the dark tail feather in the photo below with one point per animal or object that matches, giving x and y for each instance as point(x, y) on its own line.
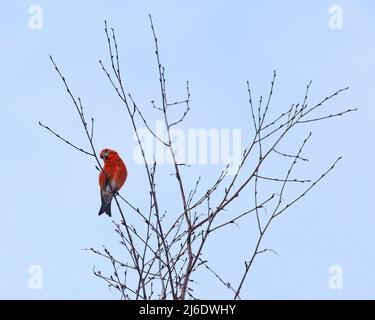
point(105, 208)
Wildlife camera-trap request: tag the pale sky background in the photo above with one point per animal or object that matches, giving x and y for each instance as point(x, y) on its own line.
point(49, 191)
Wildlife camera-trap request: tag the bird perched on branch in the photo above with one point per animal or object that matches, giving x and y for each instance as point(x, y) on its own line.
point(111, 178)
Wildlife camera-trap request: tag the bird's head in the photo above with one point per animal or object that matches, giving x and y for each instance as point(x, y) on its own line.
point(107, 154)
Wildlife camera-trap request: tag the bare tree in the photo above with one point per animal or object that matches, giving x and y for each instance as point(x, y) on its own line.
point(160, 261)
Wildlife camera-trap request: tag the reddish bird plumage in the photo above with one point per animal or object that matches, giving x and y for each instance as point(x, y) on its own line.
point(111, 179)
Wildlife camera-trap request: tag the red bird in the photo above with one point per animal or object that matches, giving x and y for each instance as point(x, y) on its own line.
point(111, 179)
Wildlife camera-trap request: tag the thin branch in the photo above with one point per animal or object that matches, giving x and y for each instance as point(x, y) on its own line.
point(290, 155)
point(66, 141)
point(328, 117)
point(282, 180)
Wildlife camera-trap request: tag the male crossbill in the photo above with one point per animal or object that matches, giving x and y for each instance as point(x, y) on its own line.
point(111, 179)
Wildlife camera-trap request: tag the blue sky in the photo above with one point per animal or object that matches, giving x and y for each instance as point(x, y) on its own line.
point(49, 191)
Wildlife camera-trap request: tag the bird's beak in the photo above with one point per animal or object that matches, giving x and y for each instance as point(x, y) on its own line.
point(105, 155)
